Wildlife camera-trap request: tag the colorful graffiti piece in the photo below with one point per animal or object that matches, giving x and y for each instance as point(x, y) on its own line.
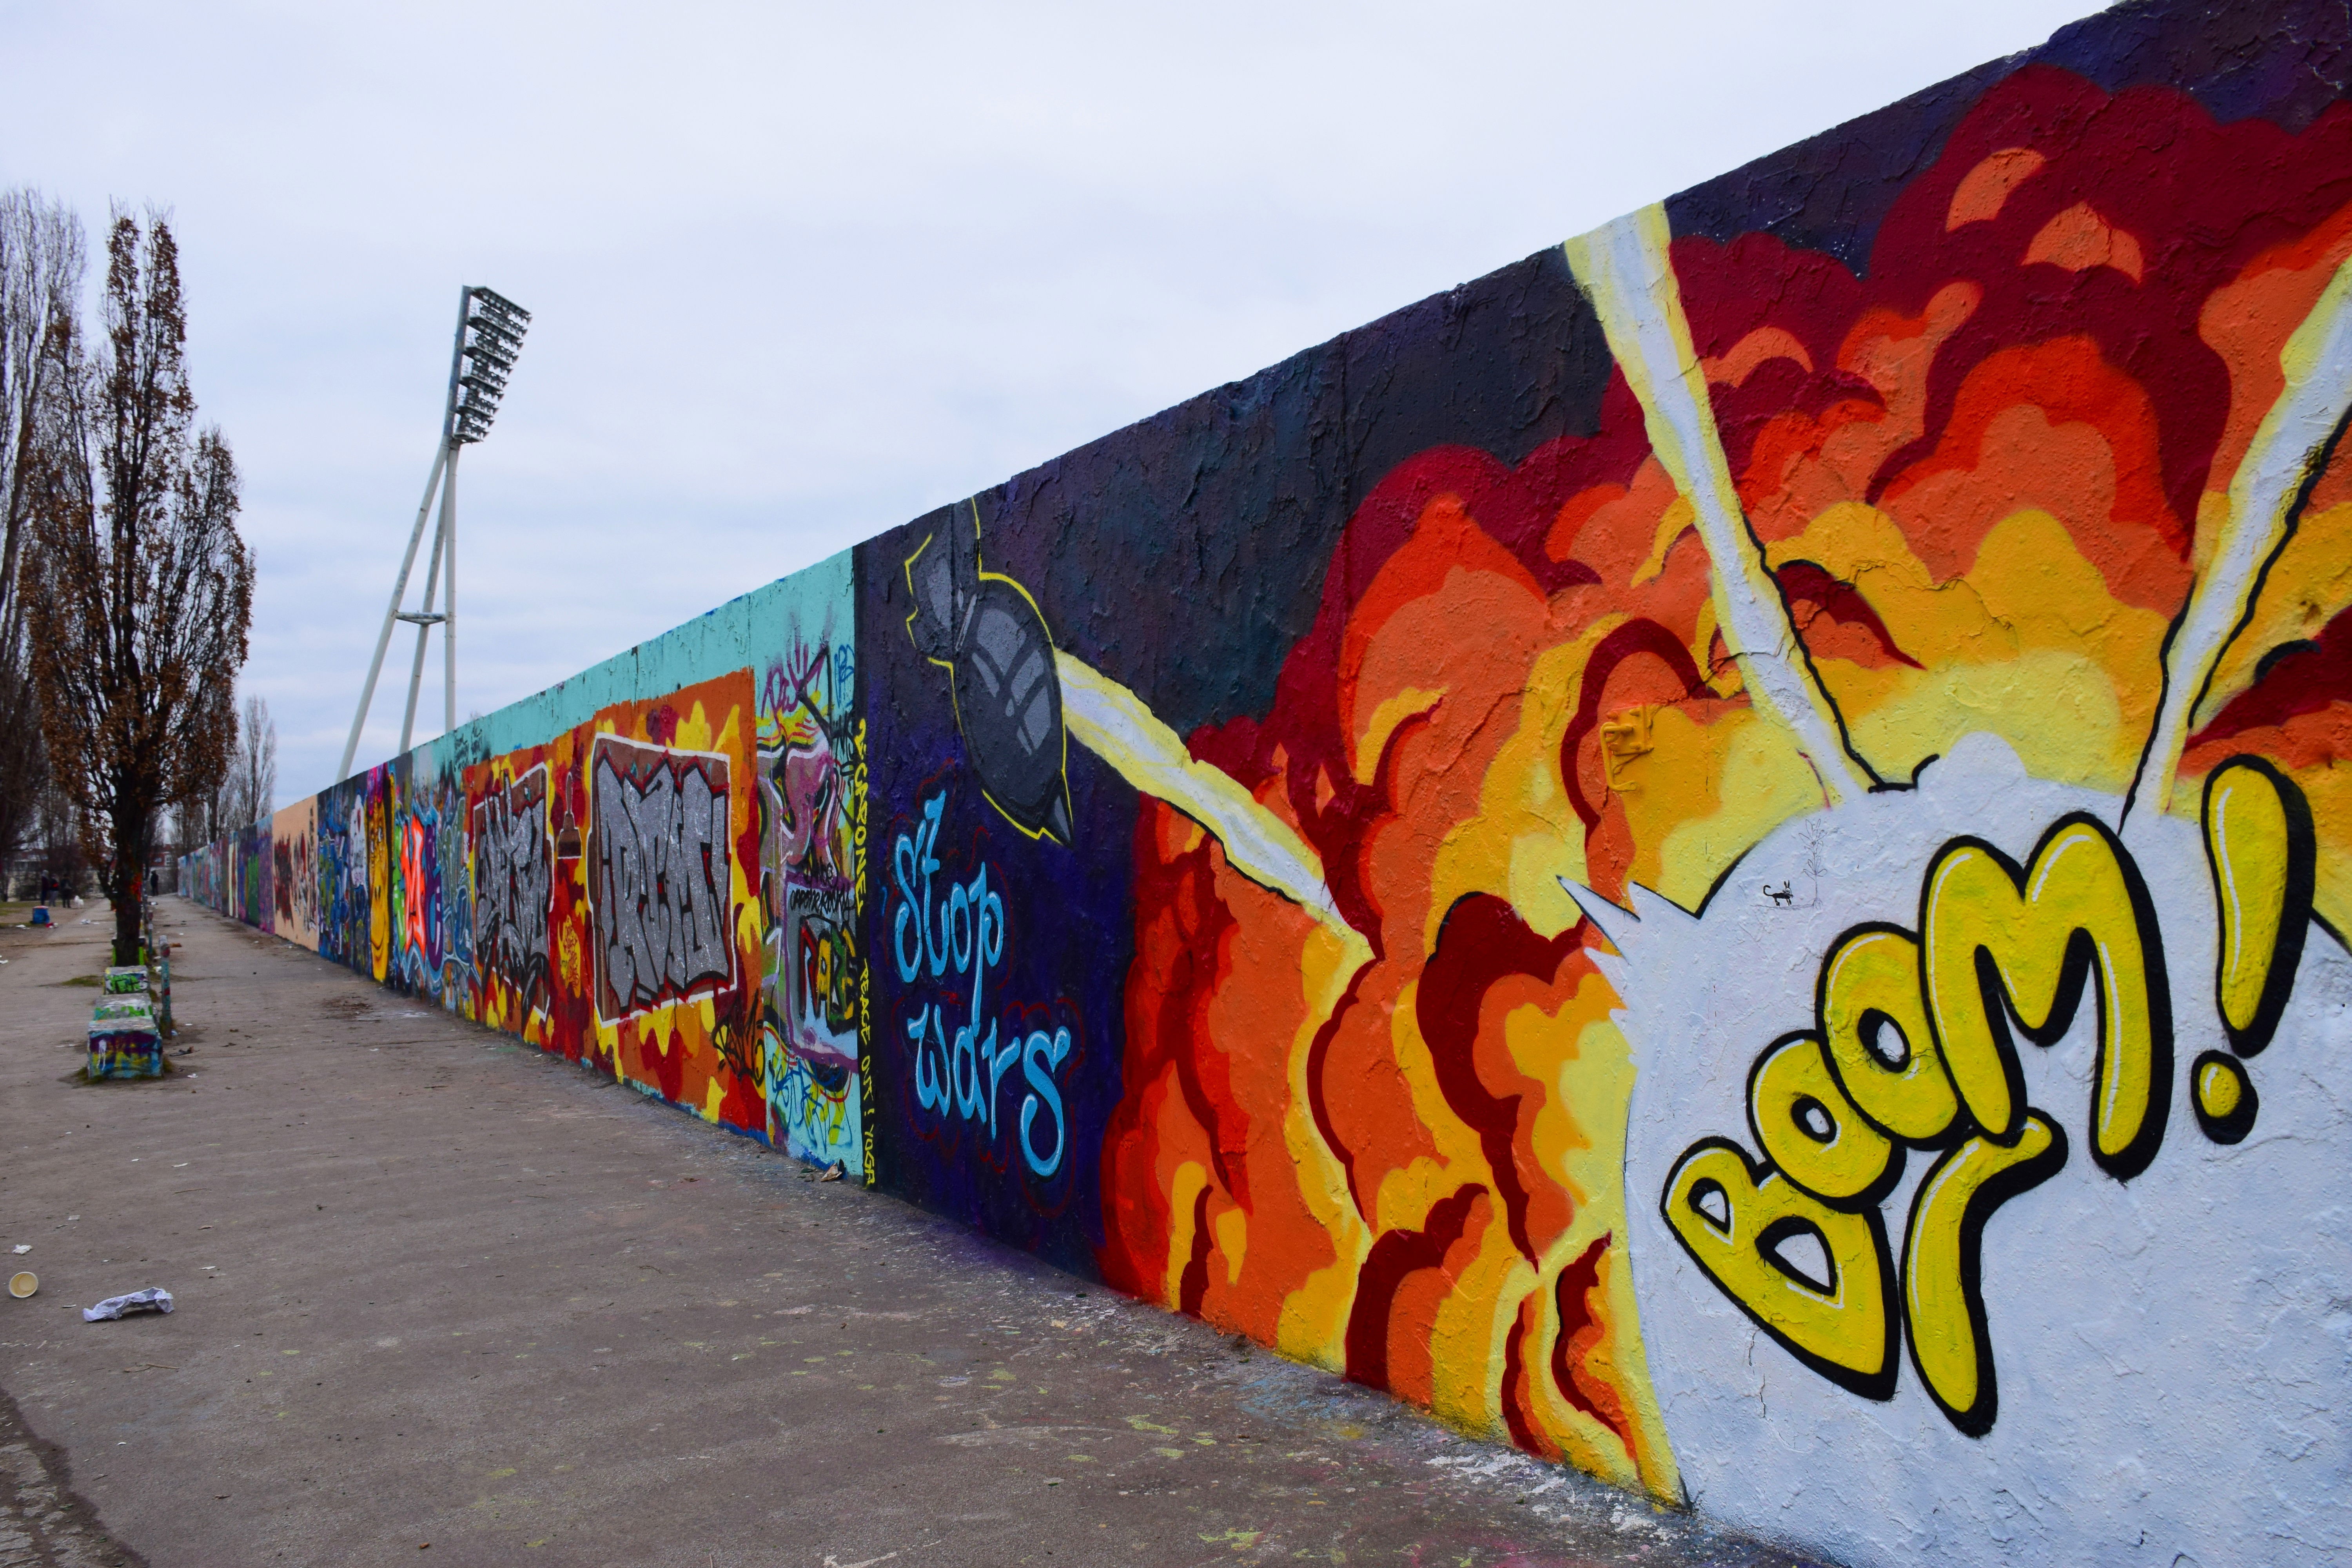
point(514, 890)
point(294, 873)
point(1722, 854)
point(811, 859)
point(660, 867)
point(610, 877)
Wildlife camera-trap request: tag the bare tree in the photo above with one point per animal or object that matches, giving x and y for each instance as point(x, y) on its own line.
point(54, 830)
point(209, 813)
point(24, 760)
point(249, 789)
point(40, 280)
point(139, 591)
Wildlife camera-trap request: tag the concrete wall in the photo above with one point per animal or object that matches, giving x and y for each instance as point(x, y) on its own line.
point(1720, 855)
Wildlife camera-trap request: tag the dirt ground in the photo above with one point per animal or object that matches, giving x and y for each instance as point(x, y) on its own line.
point(443, 1300)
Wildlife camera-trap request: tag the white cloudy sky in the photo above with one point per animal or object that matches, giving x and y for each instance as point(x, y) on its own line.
point(800, 272)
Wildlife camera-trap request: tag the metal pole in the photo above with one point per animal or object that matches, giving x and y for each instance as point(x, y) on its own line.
point(449, 599)
point(391, 611)
point(441, 461)
point(424, 618)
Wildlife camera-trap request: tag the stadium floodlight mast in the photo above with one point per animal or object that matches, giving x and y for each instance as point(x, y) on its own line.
point(490, 335)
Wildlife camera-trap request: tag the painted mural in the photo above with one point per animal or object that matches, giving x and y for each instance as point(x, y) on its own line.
point(252, 874)
point(812, 799)
point(614, 886)
point(1722, 855)
point(294, 874)
point(655, 869)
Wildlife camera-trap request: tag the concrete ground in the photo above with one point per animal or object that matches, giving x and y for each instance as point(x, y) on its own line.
point(443, 1300)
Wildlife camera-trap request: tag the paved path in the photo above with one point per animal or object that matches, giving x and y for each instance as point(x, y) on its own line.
point(42, 1523)
point(443, 1300)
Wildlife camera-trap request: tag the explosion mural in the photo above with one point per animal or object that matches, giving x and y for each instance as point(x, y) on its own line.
point(1721, 855)
point(1970, 505)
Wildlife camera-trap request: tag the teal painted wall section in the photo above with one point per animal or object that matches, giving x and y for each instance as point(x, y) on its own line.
point(743, 633)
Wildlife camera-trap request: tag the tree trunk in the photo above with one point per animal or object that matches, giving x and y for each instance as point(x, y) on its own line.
point(126, 879)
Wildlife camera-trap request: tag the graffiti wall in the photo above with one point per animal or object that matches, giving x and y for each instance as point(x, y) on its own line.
point(654, 867)
point(1721, 855)
point(810, 799)
point(294, 874)
point(615, 893)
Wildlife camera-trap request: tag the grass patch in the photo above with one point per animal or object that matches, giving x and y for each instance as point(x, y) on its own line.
point(81, 1075)
point(82, 980)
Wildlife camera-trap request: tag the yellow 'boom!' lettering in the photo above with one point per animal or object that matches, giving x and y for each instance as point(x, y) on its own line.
point(1943, 1298)
point(1997, 939)
point(1910, 1049)
point(2259, 844)
point(1734, 1219)
point(1812, 1132)
point(1870, 986)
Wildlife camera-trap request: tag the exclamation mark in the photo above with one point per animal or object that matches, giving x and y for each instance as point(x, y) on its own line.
point(2260, 845)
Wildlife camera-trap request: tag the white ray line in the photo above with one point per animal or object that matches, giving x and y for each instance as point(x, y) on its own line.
point(2318, 361)
point(1113, 722)
point(1623, 266)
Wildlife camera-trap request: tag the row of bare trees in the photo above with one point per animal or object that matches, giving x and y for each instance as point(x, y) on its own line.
point(126, 592)
point(40, 281)
point(246, 790)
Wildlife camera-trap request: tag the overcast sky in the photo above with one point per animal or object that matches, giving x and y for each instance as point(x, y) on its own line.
point(799, 273)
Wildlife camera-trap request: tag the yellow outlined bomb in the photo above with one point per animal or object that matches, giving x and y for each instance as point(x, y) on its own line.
point(991, 636)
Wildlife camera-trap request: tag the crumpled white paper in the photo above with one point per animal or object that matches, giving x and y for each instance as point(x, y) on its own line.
point(137, 1302)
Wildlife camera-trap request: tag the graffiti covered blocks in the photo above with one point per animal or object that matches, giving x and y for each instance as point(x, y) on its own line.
point(125, 1047)
point(1722, 855)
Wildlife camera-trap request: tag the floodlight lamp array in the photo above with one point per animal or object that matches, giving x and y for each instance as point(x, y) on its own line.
point(493, 337)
